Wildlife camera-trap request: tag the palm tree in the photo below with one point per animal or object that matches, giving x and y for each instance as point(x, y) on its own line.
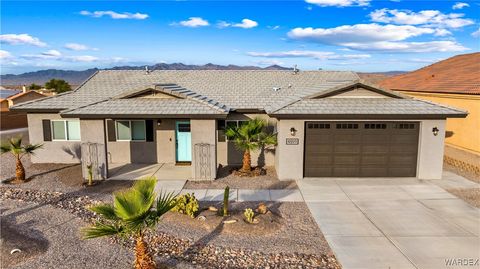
point(134, 210)
point(15, 147)
point(250, 136)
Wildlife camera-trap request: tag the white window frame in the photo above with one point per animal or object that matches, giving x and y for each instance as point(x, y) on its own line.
point(237, 122)
point(65, 126)
point(130, 127)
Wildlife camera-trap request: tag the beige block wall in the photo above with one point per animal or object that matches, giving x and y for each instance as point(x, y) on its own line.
point(227, 154)
point(290, 157)
point(52, 151)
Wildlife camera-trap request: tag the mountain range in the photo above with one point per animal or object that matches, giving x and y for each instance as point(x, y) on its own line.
point(77, 77)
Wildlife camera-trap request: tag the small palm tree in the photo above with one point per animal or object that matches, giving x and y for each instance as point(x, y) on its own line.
point(134, 210)
point(15, 147)
point(248, 137)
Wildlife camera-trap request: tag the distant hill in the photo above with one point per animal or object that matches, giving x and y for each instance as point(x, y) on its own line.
point(457, 74)
point(77, 77)
point(376, 77)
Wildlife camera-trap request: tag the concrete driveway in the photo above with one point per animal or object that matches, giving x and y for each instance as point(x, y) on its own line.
point(395, 223)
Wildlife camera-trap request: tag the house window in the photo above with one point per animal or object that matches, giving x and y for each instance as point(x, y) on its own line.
point(130, 130)
point(405, 126)
point(318, 126)
point(375, 126)
point(63, 130)
point(222, 125)
point(347, 126)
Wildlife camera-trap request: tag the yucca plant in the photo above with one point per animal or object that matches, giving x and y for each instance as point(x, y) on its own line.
point(134, 210)
point(15, 147)
point(248, 137)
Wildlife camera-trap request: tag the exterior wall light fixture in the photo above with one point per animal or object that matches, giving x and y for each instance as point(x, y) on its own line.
point(293, 131)
point(435, 131)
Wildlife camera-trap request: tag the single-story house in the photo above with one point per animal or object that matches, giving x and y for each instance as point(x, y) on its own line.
point(328, 123)
point(14, 119)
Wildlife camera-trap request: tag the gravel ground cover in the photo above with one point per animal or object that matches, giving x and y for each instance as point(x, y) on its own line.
point(226, 178)
point(289, 247)
point(471, 196)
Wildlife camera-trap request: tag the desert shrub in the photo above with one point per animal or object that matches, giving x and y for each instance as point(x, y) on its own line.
point(186, 204)
point(249, 214)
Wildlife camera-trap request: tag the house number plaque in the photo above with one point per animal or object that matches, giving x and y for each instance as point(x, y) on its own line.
point(291, 141)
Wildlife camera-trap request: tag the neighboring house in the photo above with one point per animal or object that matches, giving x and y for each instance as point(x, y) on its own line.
point(453, 82)
point(329, 124)
point(10, 119)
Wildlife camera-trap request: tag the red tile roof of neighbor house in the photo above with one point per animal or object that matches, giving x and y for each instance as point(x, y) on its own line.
point(459, 74)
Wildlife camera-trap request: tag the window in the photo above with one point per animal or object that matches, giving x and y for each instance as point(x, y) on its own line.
point(347, 126)
point(222, 125)
point(405, 126)
point(63, 130)
point(318, 126)
point(131, 130)
point(375, 126)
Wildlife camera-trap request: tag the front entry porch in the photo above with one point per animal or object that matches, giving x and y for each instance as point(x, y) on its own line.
point(162, 171)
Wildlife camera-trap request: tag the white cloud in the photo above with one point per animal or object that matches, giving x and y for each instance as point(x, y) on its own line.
point(441, 32)
point(431, 18)
point(460, 5)
point(78, 47)
point(5, 54)
point(193, 22)
point(400, 47)
point(359, 33)
point(245, 24)
point(319, 55)
point(476, 33)
point(21, 39)
point(339, 3)
point(114, 15)
point(276, 27)
point(82, 58)
point(52, 53)
point(268, 62)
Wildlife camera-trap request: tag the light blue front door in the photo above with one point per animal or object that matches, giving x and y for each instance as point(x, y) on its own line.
point(183, 141)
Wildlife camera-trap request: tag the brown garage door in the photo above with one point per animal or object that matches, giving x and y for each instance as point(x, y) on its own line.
point(361, 149)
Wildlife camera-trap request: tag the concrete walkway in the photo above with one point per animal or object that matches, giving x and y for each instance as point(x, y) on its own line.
point(395, 223)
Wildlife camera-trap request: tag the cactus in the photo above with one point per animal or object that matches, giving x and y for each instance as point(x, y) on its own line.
point(249, 215)
point(186, 204)
point(226, 194)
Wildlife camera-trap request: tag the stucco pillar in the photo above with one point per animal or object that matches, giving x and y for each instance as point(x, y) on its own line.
point(430, 149)
point(93, 131)
point(203, 133)
point(289, 164)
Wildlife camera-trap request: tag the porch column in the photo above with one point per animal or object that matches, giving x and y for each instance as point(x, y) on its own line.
point(93, 131)
point(204, 132)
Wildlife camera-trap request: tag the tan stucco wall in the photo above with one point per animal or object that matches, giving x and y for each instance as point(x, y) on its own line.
point(227, 154)
point(290, 157)
point(466, 131)
point(52, 151)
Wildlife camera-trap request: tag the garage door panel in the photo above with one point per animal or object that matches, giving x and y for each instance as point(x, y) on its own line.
point(351, 149)
point(368, 149)
point(346, 159)
point(345, 171)
point(361, 149)
point(320, 160)
point(374, 160)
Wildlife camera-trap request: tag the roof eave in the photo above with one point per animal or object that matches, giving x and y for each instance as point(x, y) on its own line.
point(144, 116)
point(367, 116)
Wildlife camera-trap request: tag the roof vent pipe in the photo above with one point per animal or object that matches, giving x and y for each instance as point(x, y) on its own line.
point(295, 69)
point(146, 70)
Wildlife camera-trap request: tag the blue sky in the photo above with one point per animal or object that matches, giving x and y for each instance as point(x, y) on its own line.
point(359, 35)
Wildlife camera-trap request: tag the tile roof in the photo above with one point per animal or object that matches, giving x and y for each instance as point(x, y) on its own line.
point(143, 106)
point(367, 106)
point(458, 74)
point(242, 89)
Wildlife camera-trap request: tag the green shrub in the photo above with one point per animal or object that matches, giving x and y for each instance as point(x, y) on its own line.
point(186, 204)
point(249, 214)
point(226, 195)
